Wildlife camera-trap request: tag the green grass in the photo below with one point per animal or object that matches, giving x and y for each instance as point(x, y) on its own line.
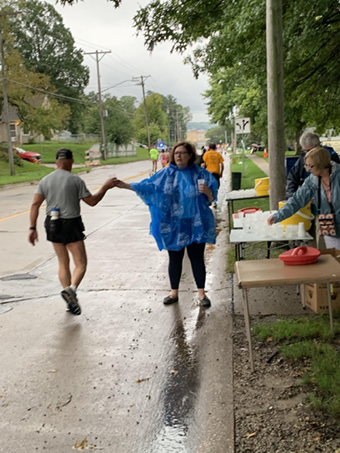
point(311, 341)
point(29, 172)
point(48, 150)
point(34, 172)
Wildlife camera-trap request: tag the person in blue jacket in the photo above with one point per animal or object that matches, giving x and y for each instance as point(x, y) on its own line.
point(180, 214)
point(326, 173)
point(298, 173)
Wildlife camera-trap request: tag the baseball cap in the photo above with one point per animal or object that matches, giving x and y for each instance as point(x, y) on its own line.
point(64, 154)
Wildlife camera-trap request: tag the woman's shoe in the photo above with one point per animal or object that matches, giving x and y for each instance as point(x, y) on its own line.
point(170, 300)
point(205, 302)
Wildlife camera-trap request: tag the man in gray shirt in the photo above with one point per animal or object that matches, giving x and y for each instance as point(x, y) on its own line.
point(63, 191)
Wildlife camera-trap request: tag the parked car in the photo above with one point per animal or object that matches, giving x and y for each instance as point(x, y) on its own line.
point(140, 145)
point(35, 158)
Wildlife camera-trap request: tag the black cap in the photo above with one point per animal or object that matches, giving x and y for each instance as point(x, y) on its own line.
point(64, 154)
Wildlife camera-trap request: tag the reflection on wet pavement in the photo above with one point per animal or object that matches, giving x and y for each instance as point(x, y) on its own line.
point(178, 398)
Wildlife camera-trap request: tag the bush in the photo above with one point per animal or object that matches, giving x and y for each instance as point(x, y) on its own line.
point(4, 157)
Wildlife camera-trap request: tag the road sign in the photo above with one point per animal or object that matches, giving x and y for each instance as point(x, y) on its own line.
point(242, 125)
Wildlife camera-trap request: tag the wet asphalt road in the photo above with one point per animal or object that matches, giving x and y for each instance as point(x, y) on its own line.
point(129, 374)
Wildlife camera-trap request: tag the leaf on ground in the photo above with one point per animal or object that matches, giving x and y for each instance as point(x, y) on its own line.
point(298, 373)
point(143, 379)
point(317, 438)
point(269, 339)
point(249, 435)
point(174, 372)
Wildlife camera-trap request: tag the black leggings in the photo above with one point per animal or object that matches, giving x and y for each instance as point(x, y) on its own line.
point(196, 256)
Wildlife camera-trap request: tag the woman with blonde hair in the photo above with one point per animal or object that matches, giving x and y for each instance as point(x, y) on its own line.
point(323, 184)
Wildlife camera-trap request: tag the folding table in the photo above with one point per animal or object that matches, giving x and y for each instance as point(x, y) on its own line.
point(267, 273)
point(239, 237)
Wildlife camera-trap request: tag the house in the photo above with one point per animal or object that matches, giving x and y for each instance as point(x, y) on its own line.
point(19, 134)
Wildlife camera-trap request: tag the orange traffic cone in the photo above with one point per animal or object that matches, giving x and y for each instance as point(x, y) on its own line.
point(265, 154)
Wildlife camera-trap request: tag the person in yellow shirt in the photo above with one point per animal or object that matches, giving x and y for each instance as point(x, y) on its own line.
point(213, 162)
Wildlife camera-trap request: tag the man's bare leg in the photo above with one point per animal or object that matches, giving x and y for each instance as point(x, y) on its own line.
point(64, 264)
point(78, 252)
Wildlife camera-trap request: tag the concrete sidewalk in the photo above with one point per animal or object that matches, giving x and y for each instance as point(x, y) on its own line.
point(260, 162)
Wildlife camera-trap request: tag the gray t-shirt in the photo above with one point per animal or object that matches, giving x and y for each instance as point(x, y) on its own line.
point(63, 190)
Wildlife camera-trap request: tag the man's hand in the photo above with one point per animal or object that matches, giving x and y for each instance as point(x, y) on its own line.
point(110, 183)
point(122, 185)
point(32, 236)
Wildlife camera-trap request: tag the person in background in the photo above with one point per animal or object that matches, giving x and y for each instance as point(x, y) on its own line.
point(153, 153)
point(213, 162)
point(324, 178)
point(164, 157)
point(180, 214)
point(298, 173)
point(63, 191)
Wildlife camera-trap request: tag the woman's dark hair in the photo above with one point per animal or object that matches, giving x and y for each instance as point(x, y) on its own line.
point(189, 147)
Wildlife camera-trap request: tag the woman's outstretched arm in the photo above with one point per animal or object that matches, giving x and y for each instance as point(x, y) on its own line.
point(123, 185)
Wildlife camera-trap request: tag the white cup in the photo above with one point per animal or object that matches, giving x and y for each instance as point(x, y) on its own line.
point(112, 175)
point(289, 231)
point(301, 230)
point(279, 230)
point(200, 182)
point(241, 215)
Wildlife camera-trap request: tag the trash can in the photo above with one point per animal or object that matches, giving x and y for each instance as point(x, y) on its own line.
point(236, 180)
point(290, 162)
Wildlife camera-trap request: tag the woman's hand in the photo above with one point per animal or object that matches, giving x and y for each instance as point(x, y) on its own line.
point(271, 220)
point(122, 184)
point(203, 188)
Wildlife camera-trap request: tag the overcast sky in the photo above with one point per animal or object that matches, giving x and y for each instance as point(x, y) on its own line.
point(97, 25)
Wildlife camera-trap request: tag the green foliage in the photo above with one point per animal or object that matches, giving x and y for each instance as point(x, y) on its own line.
point(118, 123)
point(309, 339)
point(216, 134)
point(157, 120)
point(47, 47)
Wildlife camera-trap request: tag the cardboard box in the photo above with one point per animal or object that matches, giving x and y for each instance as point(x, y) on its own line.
point(316, 297)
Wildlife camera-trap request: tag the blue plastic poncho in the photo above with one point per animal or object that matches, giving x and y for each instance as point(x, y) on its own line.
point(180, 214)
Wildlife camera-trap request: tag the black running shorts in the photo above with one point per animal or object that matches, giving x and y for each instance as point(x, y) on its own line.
point(71, 230)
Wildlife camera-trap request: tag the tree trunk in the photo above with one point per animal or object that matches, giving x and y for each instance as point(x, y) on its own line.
point(276, 133)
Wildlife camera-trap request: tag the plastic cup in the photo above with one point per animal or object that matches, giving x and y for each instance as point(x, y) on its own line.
point(241, 215)
point(279, 231)
point(289, 231)
point(301, 230)
point(200, 182)
point(112, 175)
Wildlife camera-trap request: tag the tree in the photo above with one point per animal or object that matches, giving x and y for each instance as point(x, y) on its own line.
point(31, 94)
point(47, 47)
point(157, 119)
point(216, 134)
point(118, 123)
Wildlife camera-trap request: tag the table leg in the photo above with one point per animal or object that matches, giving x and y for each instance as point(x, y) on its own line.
point(247, 323)
point(330, 306)
point(230, 214)
point(269, 243)
point(303, 295)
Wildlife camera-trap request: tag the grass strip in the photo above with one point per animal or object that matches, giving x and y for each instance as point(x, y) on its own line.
point(311, 341)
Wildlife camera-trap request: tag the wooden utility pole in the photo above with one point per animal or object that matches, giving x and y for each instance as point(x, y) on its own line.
point(276, 126)
point(142, 83)
point(97, 59)
point(5, 97)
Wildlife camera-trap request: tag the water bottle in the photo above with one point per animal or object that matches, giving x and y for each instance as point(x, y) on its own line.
point(54, 223)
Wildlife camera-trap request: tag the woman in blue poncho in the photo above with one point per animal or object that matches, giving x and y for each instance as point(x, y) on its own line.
point(180, 214)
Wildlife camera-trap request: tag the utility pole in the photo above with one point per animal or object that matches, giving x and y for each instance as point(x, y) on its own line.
point(5, 97)
point(276, 134)
point(142, 83)
point(97, 59)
